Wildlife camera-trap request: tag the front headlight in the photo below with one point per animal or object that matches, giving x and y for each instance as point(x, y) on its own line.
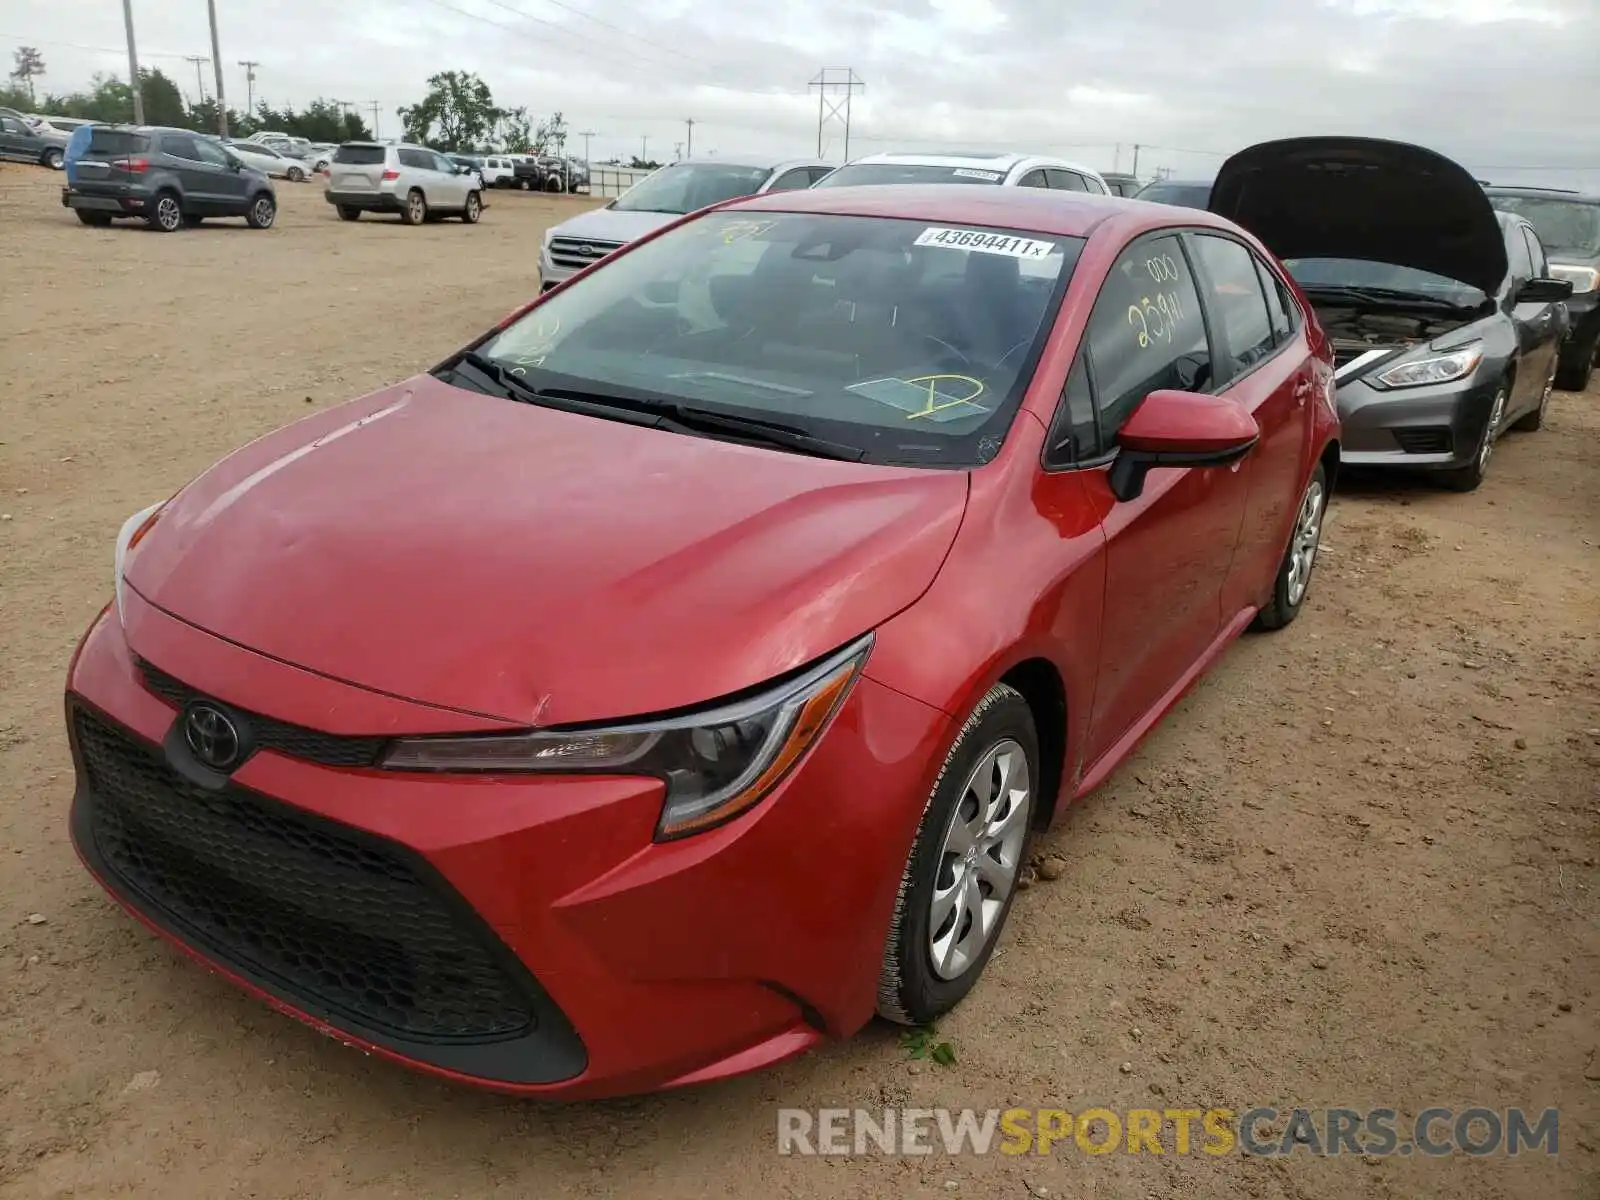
point(1441, 368)
point(129, 536)
point(1583, 279)
point(716, 763)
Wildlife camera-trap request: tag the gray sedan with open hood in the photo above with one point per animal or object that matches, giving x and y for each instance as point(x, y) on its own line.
point(1444, 320)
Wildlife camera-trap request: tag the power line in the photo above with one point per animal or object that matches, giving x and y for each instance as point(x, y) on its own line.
point(199, 60)
point(11, 37)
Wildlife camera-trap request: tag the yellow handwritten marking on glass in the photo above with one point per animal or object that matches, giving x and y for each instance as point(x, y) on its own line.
point(932, 405)
point(737, 231)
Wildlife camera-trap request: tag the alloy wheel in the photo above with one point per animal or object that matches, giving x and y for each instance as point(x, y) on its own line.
point(1303, 545)
point(265, 212)
point(415, 206)
point(169, 215)
point(1495, 416)
point(979, 859)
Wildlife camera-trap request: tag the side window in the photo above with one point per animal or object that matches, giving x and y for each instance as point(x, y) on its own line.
point(182, 147)
point(1094, 186)
point(1233, 293)
point(445, 165)
point(212, 153)
point(1541, 266)
point(791, 180)
point(419, 159)
point(819, 173)
point(1280, 308)
point(1065, 181)
point(12, 125)
point(1146, 331)
point(1075, 432)
point(1033, 179)
point(1517, 252)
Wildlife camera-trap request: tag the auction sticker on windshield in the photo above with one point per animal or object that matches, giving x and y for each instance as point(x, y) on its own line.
point(984, 243)
point(969, 173)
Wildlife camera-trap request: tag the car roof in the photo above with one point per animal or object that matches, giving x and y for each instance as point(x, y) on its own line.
point(768, 162)
point(996, 160)
point(1066, 214)
point(1536, 193)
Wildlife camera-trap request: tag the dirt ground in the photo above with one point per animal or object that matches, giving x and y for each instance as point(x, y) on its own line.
point(1356, 867)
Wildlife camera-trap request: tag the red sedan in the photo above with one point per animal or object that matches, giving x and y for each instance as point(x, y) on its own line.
point(674, 678)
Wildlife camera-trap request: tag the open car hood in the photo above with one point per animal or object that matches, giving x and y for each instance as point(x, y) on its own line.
point(1364, 198)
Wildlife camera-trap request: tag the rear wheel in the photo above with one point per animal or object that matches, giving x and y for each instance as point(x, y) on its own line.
point(415, 211)
point(51, 158)
point(296, 175)
point(347, 213)
point(92, 218)
point(1294, 573)
point(473, 210)
point(263, 211)
point(166, 213)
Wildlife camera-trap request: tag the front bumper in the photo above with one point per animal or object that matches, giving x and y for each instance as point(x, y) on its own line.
point(386, 202)
point(585, 959)
point(1582, 342)
point(1424, 428)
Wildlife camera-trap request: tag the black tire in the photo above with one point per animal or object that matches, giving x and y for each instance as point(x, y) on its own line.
point(347, 213)
point(166, 212)
point(555, 184)
point(415, 210)
point(98, 220)
point(1576, 376)
point(1469, 477)
point(910, 990)
point(52, 158)
point(473, 210)
point(296, 175)
point(263, 211)
point(1289, 589)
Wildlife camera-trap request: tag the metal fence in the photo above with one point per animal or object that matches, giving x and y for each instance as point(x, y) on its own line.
point(612, 181)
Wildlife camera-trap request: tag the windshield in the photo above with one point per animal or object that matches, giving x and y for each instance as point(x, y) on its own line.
point(1315, 273)
point(1561, 224)
point(860, 174)
point(908, 340)
point(684, 187)
point(1184, 195)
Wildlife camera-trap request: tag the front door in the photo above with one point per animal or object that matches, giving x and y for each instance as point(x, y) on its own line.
point(1544, 330)
point(226, 183)
point(1169, 550)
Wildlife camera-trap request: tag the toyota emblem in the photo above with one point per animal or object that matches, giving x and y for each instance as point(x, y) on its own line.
point(212, 737)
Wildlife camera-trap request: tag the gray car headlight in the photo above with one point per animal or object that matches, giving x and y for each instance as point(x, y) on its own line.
point(1439, 368)
point(716, 762)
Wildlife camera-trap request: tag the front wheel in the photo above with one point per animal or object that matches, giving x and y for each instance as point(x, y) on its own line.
point(262, 213)
point(1575, 376)
point(1294, 573)
point(52, 158)
point(473, 210)
point(296, 175)
point(961, 876)
point(1467, 478)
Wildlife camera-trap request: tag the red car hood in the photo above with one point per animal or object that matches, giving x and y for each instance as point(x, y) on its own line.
point(538, 566)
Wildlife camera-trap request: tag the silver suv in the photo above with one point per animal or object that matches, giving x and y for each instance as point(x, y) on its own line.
point(418, 183)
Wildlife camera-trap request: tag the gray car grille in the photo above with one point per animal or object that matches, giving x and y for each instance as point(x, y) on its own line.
point(574, 252)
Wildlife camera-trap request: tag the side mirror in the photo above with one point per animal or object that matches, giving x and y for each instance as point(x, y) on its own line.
point(1180, 429)
point(1544, 291)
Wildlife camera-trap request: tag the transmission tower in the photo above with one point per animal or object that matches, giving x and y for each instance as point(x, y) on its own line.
point(836, 87)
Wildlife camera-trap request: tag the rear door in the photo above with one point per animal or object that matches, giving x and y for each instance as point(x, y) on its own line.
point(201, 193)
point(1168, 551)
point(114, 159)
point(1274, 375)
point(18, 141)
point(357, 169)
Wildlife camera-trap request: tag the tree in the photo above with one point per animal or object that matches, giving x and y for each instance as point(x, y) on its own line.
point(163, 101)
point(29, 63)
point(457, 113)
point(320, 121)
point(550, 136)
point(514, 134)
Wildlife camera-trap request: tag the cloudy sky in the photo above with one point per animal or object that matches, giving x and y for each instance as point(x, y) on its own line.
point(1511, 88)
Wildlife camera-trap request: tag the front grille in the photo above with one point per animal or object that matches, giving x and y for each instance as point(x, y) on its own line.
point(329, 749)
point(352, 923)
point(569, 251)
point(1434, 440)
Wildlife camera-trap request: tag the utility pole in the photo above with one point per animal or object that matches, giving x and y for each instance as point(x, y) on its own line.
point(586, 134)
point(831, 82)
point(372, 107)
point(1136, 160)
point(690, 123)
point(644, 148)
point(249, 65)
point(216, 61)
point(133, 64)
point(199, 60)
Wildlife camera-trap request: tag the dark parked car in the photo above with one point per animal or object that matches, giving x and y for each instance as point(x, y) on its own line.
point(1444, 319)
point(1185, 193)
point(1121, 183)
point(168, 177)
point(548, 173)
point(1568, 225)
point(22, 142)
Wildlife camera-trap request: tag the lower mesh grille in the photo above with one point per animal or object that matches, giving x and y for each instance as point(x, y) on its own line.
point(1424, 441)
point(346, 920)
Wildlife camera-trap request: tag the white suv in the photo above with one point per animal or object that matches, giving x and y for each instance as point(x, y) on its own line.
point(1003, 170)
point(418, 183)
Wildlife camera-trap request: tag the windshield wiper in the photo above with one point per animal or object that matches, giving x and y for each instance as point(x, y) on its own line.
point(1386, 296)
point(647, 410)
